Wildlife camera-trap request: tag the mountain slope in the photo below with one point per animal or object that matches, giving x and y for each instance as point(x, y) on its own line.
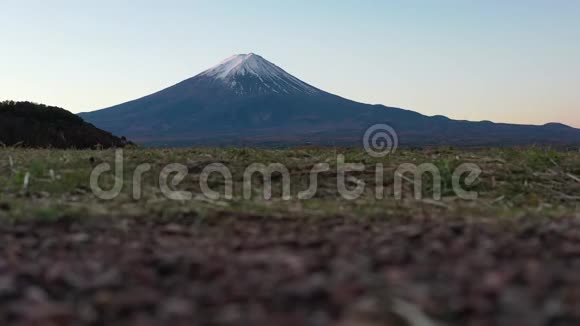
point(36, 125)
point(249, 100)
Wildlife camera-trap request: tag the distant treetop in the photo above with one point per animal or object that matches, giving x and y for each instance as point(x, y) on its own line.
point(30, 124)
point(37, 111)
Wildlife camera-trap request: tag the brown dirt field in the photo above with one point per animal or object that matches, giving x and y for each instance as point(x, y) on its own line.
point(250, 270)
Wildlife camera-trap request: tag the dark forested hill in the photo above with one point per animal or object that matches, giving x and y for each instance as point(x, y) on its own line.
point(36, 125)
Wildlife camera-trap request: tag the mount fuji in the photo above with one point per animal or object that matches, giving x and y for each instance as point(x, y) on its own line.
point(247, 100)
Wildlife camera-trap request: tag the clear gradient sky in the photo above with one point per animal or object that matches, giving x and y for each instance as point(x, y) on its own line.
point(507, 61)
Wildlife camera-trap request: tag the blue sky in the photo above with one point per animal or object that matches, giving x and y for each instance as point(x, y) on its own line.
point(511, 61)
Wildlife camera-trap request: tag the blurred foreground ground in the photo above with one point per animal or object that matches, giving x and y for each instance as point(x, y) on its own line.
point(508, 258)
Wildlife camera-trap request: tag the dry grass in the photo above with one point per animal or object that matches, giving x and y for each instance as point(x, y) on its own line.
point(52, 184)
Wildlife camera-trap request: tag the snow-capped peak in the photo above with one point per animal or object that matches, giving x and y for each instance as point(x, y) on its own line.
point(250, 73)
point(240, 64)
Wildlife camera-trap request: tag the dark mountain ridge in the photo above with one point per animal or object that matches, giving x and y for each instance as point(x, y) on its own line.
point(29, 124)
